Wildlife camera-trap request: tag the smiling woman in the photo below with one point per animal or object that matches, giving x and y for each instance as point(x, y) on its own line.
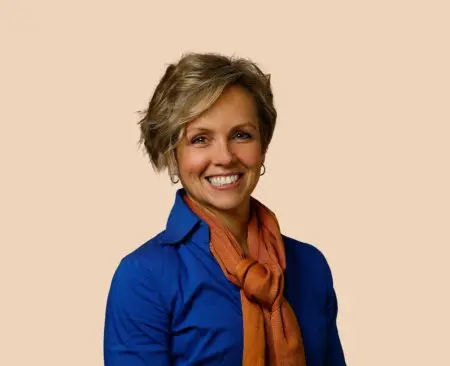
point(220, 285)
point(219, 160)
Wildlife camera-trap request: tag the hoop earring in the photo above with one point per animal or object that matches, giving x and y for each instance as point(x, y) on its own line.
point(173, 180)
point(263, 169)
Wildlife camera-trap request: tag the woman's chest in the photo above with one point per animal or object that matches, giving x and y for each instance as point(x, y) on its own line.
point(207, 327)
point(207, 318)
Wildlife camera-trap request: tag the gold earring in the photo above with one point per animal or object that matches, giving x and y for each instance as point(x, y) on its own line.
point(263, 169)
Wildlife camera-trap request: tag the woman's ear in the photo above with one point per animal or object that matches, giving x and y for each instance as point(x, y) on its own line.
point(172, 163)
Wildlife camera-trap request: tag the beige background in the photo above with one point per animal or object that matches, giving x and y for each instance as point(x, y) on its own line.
point(359, 164)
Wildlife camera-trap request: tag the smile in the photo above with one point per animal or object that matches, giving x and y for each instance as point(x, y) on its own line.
point(223, 180)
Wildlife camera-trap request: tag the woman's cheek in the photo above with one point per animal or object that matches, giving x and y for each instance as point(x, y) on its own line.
point(252, 157)
point(195, 163)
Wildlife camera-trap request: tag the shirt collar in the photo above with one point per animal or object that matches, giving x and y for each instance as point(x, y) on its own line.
point(182, 222)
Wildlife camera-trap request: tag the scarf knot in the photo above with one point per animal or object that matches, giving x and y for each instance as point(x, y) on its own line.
point(260, 282)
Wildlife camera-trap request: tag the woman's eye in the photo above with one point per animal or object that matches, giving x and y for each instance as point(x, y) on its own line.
point(198, 140)
point(242, 135)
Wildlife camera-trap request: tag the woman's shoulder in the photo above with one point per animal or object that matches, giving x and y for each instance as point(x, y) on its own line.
point(297, 247)
point(305, 255)
point(150, 259)
point(150, 249)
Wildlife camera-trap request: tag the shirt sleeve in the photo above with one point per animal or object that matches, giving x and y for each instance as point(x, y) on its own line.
point(136, 322)
point(335, 355)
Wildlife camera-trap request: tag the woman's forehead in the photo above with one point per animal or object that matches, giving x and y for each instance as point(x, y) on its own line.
point(234, 108)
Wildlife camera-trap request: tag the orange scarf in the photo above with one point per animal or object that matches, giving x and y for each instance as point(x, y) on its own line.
point(271, 332)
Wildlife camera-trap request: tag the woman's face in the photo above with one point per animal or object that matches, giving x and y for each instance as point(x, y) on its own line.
point(220, 156)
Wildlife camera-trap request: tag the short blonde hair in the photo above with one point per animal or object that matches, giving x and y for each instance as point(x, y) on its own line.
point(191, 86)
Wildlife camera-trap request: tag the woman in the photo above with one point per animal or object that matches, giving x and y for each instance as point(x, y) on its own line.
point(220, 285)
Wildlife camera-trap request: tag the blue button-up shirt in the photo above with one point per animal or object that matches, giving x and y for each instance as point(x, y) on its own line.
point(170, 303)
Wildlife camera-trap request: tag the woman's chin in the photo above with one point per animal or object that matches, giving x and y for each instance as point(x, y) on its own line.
point(227, 204)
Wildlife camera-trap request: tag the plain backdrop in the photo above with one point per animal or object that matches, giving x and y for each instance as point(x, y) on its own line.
point(358, 167)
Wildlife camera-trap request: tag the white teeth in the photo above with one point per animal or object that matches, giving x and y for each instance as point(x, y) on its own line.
point(221, 181)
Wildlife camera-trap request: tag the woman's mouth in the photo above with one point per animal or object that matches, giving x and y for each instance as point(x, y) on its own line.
point(224, 181)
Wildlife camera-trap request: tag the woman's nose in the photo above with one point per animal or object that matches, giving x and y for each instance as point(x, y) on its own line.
point(222, 154)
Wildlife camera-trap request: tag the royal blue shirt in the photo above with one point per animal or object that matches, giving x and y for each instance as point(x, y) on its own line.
point(170, 304)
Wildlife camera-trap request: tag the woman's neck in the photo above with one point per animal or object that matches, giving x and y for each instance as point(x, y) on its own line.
point(236, 221)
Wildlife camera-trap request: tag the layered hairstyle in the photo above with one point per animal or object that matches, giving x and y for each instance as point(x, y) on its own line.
point(191, 86)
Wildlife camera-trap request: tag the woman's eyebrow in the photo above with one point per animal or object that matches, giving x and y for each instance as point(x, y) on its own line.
point(198, 129)
point(193, 130)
